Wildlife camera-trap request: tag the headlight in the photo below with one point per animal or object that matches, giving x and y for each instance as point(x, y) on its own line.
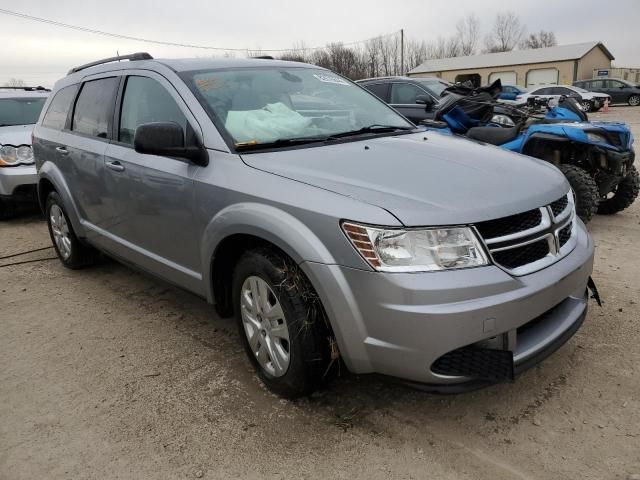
point(25, 154)
point(425, 250)
point(503, 120)
point(9, 155)
point(596, 137)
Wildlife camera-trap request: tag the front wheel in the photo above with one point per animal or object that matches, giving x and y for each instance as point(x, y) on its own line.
point(623, 195)
point(586, 106)
point(585, 189)
point(282, 323)
point(634, 100)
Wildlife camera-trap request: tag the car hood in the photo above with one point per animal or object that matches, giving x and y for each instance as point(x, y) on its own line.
point(16, 135)
point(595, 95)
point(422, 178)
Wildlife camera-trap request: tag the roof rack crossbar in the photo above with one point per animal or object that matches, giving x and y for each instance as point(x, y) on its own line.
point(27, 89)
point(132, 57)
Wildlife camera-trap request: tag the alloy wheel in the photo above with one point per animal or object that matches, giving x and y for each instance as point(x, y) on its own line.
point(265, 326)
point(60, 230)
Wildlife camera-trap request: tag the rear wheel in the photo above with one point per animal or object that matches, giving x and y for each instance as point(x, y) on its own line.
point(71, 252)
point(585, 189)
point(634, 100)
point(281, 322)
point(623, 195)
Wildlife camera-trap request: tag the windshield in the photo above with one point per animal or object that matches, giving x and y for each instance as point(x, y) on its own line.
point(20, 111)
point(266, 105)
point(435, 87)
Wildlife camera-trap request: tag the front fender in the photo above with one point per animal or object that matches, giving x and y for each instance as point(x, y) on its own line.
point(49, 171)
point(268, 223)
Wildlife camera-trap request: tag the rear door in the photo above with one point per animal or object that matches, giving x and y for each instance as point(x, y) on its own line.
point(84, 145)
point(403, 98)
point(153, 195)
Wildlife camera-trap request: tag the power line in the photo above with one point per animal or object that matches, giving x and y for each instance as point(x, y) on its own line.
point(171, 44)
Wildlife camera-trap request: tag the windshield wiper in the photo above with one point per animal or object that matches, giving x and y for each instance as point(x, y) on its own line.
point(281, 142)
point(375, 128)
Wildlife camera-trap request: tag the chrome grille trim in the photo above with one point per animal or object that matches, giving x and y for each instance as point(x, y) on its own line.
point(548, 229)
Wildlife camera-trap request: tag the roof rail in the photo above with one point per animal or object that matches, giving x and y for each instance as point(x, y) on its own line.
point(28, 89)
point(132, 57)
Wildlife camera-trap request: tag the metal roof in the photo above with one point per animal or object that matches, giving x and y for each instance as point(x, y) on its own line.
point(514, 57)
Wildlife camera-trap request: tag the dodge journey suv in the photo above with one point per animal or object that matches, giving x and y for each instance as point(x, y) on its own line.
point(328, 225)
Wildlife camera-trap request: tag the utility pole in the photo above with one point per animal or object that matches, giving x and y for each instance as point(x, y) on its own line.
point(401, 51)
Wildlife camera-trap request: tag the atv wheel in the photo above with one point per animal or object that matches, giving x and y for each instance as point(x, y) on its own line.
point(585, 189)
point(623, 195)
point(634, 100)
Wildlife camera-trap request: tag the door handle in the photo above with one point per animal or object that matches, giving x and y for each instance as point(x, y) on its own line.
point(116, 166)
point(62, 150)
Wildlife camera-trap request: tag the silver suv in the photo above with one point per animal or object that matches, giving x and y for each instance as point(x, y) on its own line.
point(20, 108)
point(332, 228)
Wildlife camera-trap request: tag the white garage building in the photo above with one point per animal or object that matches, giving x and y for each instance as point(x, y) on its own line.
point(559, 65)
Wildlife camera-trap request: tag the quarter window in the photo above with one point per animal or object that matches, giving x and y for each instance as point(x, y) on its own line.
point(405, 93)
point(146, 101)
point(94, 107)
point(56, 116)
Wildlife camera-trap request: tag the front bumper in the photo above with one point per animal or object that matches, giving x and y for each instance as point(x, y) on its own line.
point(398, 325)
point(18, 181)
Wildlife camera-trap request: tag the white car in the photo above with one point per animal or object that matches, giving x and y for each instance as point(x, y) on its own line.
point(19, 111)
point(589, 101)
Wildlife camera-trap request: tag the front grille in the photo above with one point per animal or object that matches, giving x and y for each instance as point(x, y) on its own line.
point(559, 205)
point(522, 255)
point(477, 363)
point(510, 225)
point(564, 235)
point(519, 240)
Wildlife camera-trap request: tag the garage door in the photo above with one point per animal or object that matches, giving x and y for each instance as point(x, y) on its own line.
point(507, 78)
point(542, 76)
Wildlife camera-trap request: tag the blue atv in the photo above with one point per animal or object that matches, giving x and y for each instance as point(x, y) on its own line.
point(596, 157)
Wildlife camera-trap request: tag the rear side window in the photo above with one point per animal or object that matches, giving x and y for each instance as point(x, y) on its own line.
point(380, 90)
point(56, 116)
point(146, 101)
point(94, 107)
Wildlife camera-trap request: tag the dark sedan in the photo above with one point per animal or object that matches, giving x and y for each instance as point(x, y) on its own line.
point(620, 91)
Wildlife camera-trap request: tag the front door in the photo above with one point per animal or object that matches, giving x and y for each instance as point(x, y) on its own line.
point(153, 195)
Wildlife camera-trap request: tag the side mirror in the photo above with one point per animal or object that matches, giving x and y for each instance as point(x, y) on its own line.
point(425, 100)
point(167, 139)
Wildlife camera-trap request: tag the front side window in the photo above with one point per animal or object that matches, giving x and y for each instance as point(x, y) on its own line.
point(434, 87)
point(405, 93)
point(20, 111)
point(94, 107)
point(264, 105)
point(146, 101)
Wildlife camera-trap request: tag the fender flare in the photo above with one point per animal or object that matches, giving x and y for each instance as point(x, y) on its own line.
point(49, 171)
point(266, 222)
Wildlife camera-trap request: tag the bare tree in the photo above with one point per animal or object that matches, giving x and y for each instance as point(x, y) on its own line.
point(467, 33)
point(505, 34)
point(541, 39)
point(15, 82)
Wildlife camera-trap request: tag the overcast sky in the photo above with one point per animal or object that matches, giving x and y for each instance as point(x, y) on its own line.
point(41, 53)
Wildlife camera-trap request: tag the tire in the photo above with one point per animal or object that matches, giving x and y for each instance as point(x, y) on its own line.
point(586, 105)
point(624, 194)
point(307, 341)
point(634, 100)
point(585, 190)
point(7, 209)
point(71, 251)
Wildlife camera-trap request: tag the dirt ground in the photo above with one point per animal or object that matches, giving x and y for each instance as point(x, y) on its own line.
point(106, 373)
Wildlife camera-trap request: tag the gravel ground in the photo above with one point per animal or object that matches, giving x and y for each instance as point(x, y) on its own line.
point(106, 373)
